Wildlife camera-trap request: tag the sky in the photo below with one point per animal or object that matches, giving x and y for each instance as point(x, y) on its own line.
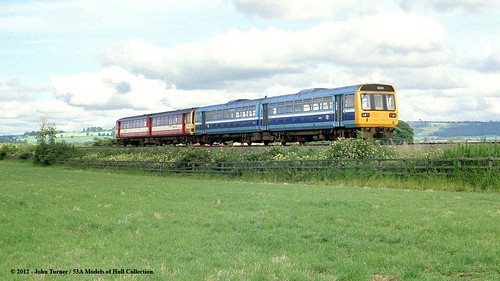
point(87, 63)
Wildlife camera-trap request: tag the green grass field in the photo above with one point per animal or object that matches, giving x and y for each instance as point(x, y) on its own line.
point(187, 229)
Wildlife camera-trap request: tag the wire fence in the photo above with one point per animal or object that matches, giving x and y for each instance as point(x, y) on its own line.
point(407, 166)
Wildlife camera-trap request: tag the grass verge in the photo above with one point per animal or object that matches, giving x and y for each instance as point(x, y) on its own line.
point(185, 229)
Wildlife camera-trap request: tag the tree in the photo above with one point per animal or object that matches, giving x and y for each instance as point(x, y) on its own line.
point(47, 131)
point(403, 133)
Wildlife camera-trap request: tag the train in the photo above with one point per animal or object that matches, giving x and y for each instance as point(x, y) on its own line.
point(366, 110)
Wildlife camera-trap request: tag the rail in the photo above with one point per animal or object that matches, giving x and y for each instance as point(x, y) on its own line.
point(407, 166)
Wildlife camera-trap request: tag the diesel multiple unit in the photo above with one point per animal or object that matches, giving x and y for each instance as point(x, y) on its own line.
point(309, 115)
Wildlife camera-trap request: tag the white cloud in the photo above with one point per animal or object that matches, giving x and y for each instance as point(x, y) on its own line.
point(111, 88)
point(382, 40)
point(302, 10)
point(449, 5)
point(86, 16)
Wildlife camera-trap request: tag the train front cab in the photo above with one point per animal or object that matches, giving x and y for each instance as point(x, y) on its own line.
point(376, 112)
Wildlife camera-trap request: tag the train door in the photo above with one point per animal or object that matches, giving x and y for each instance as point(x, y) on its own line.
point(265, 117)
point(118, 129)
point(184, 123)
point(339, 111)
point(149, 125)
point(191, 122)
point(203, 122)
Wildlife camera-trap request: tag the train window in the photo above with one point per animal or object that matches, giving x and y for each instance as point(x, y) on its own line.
point(298, 106)
point(238, 112)
point(226, 113)
point(327, 103)
point(317, 104)
point(379, 102)
point(254, 112)
point(281, 107)
point(219, 114)
point(289, 107)
point(307, 105)
point(365, 102)
point(389, 99)
point(349, 101)
point(232, 113)
point(273, 109)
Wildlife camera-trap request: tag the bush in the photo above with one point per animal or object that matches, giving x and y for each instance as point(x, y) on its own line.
point(355, 149)
point(472, 150)
point(3, 153)
point(48, 154)
point(21, 151)
point(105, 142)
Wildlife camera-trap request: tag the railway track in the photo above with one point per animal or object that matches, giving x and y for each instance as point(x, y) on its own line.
point(420, 145)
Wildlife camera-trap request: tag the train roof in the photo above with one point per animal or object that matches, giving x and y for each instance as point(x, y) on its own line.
point(320, 92)
point(157, 114)
point(174, 112)
point(137, 117)
point(304, 94)
point(312, 93)
point(230, 104)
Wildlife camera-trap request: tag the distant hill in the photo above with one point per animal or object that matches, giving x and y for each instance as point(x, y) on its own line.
point(423, 130)
point(87, 136)
point(467, 130)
